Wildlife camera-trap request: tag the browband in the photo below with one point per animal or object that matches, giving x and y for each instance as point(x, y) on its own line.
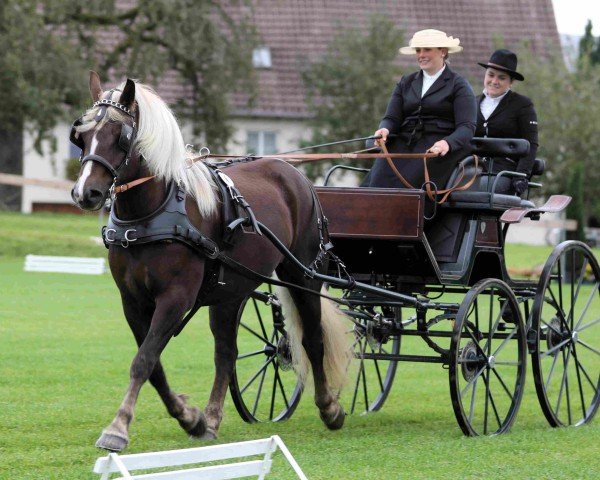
point(114, 104)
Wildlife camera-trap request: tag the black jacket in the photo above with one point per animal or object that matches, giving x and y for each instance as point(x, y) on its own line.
point(514, 117)
point(448, 111)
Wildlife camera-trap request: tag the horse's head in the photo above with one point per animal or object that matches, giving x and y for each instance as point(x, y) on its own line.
point(106, 135)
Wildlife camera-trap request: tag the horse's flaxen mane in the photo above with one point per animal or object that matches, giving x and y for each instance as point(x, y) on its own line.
point(160, 141)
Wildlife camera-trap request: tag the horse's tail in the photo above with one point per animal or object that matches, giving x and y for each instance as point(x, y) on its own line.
point(336, 341)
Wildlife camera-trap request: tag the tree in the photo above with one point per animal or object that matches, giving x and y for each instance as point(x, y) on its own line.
point(47, 47)
point(567, 105)
point(587, 44)
point(38, 69)
point(349, 87)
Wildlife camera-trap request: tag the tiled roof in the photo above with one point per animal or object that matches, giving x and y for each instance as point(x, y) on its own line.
point(299, 31)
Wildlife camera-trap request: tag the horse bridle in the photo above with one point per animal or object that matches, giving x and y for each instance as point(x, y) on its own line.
point(126, 137)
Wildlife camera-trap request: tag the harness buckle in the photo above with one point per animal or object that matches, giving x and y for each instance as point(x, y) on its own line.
point(126, 239)
point(110, 235)
point(273, 300)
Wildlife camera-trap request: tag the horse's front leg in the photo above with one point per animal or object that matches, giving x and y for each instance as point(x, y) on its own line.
point(167, 314)
point(223, 324)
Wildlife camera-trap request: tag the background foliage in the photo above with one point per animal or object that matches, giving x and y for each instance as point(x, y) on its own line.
point(349, 87)
point(47, 47)
point(567, 105)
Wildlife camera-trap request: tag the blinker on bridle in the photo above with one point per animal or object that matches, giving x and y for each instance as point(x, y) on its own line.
point(126, 137)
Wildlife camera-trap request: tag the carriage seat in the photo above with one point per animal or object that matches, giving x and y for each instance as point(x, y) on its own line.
point(486, 193)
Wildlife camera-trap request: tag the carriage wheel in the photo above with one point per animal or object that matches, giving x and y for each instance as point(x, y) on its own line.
point(487, 359)
point(566, 351)
point(264, 387)
point(371, 375)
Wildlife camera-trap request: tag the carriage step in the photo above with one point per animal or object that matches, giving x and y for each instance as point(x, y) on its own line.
point(555, 203)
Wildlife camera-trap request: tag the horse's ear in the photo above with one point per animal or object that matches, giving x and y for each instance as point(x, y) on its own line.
point(95, 87)
point(128, 95)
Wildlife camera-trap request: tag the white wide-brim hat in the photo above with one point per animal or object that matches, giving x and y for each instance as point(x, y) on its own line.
point(431, 39)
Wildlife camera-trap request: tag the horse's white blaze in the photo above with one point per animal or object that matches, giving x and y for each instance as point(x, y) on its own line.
point(87, 170)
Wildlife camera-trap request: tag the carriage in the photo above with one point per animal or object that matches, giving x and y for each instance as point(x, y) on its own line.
point(188, 232)
point(441, 276)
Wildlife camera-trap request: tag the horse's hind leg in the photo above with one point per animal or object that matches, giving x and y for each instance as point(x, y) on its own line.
point(308, 309)
point(151, 338)
point(223, 324)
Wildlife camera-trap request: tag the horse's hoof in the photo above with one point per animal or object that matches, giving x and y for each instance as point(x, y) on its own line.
point(335, 421)
point(113, 442)
point(198, 430)
point(209, 434)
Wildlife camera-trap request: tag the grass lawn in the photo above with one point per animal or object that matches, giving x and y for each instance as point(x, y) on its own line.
point(65, 352)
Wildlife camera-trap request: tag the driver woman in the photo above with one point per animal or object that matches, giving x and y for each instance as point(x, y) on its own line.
point(431, 110)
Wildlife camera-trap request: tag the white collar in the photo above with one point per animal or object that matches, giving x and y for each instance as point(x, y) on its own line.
point(435, 76)
point(494, 99)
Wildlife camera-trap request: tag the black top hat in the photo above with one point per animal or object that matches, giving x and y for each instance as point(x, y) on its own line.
point(506, 61)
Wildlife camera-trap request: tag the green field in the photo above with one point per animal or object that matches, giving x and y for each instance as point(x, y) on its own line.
point(65, 351)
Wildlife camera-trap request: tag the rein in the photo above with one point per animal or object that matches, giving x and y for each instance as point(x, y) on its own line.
point(298, 159)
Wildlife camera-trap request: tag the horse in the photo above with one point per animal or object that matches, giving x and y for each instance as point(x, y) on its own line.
point(131, 137)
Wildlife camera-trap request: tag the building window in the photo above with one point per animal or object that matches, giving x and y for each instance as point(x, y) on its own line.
point(261, 57)
point(261, 143)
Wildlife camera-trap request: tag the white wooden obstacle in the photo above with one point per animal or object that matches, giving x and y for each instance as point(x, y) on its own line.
point(44, 263)
point(265, 447)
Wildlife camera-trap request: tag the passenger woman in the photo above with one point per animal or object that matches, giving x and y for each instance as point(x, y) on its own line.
point(503, 113)
point(431, 110)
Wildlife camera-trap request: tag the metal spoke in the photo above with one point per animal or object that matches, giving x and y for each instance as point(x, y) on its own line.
point(589, 347)
point(587, 305)
point(503, 384)
point(595, 387)
point(259, 317)
point(287, 404)
point(476, 342)
point(262, 339)
point(251, 354)
point(564, 379)
point(472, 381)
point(575, 295)
point(273, 392)
point(579, 381)
point(555, 348)
point(506, 362)
point(551, 327)
point(551, 371)
point(361, 368)
point(492, 402)
point(486, 407)
point(264, 366)
point(559, 310)
point(505, 341)
point(260, 386)
point(588, 325)
point(472, 406)
point(488, 347)
point(494, 329)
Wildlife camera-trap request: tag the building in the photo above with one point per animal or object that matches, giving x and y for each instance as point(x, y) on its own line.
point(294, 32)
